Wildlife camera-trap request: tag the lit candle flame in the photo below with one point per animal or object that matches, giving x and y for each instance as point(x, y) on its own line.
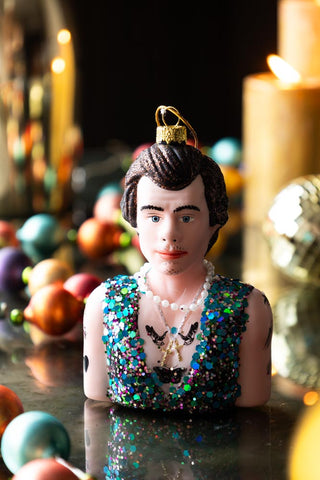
point(63, 36)
point(283, 70)
point(310, 398)
point(58, 65)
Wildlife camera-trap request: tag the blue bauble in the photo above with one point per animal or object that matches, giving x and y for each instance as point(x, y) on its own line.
point(33, 435)
point(112, 188)
point(12, 263)
point(41, 233)
point(227, 151)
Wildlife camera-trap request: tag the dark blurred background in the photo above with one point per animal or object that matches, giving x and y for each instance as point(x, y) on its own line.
point(133, 56)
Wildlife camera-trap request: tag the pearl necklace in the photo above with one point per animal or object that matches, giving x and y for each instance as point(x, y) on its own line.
point(197, 302)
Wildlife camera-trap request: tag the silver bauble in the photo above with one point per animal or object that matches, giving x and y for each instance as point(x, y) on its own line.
point(292, 229)
point(296, 336)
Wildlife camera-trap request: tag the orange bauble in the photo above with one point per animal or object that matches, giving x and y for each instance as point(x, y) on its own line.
point(44, 469)
point(10, 407)
point(46, 272)
point(233, 179)
point(96, 239)
point(54, 310)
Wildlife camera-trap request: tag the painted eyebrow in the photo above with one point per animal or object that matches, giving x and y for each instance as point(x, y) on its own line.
point(151, 207)
point(186, 207)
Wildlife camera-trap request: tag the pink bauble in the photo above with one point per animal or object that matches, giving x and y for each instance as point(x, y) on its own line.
point(106, 208)
point(82, 284)
point(44, 469)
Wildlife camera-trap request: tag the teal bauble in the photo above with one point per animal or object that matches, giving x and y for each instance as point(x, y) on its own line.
point(227, 151)
point(33, 435)
point(41, 234)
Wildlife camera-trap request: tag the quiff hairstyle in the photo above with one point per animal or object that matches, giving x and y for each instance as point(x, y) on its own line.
point(174, 167)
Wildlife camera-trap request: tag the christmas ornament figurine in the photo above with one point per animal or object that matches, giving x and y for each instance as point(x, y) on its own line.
point(176, 336)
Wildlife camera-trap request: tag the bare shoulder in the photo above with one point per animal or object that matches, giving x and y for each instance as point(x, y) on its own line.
point(255, 352)
point(93, 308)
point(259, 313)
point(95, 375)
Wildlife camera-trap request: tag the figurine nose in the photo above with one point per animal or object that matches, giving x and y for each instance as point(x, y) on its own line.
point(173, 240)
point(169, 232)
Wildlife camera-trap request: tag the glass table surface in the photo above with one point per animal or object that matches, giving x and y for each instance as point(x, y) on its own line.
point(117, 443)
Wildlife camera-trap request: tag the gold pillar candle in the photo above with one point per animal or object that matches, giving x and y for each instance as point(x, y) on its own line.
point(299, 35)
point(281, 138)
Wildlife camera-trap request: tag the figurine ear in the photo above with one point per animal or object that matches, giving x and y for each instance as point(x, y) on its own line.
point(214, 228)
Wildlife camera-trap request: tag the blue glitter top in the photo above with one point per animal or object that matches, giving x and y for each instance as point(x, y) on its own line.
point(211, 381)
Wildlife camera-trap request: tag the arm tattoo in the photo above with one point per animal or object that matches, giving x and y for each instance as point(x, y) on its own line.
point(269, 338)
point(269, 368)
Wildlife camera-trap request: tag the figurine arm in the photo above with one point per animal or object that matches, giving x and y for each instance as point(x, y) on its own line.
point(95, 374)
point(255, 353)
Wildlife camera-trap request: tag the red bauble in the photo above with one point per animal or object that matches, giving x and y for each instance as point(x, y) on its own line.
point(82, 284)
point(10, 407)
point(96, 239)
point(54, 310)
point(7, 235)
point(139, 149)
point(44, 469)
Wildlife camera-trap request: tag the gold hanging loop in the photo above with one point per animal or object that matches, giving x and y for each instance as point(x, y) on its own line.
point(173, 133)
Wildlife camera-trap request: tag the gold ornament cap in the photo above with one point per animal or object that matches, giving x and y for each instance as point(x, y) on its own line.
point(173, 133)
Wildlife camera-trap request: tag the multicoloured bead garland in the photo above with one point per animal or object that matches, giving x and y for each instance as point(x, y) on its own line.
point(141, 280)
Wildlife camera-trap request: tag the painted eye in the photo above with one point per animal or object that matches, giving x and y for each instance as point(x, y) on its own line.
point(186, 219)
point(155, 218)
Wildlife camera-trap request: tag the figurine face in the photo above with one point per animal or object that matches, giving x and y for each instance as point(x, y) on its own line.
point(173, 226)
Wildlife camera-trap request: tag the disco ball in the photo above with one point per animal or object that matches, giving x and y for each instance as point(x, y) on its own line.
point(292, 229)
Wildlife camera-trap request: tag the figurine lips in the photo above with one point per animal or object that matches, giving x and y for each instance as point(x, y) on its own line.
point(171, 254)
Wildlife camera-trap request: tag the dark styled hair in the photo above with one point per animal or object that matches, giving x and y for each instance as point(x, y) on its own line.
point(174, 167)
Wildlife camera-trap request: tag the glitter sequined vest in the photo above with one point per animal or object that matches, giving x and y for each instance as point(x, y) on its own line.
point(211, 382)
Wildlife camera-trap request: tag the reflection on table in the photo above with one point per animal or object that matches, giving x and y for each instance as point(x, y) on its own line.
point(116, 443)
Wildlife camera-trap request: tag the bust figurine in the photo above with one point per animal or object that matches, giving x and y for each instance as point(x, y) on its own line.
point(176, 336)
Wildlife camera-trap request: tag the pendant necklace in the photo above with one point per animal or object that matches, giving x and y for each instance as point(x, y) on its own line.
point(173, 345)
